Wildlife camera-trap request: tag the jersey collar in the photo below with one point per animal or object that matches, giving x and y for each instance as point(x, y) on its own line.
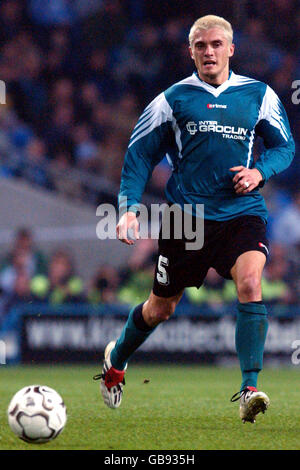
point(216, 91)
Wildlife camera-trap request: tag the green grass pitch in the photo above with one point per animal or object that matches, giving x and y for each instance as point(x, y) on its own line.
point(176, 408)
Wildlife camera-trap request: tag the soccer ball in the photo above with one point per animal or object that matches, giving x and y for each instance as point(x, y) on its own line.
point(37, 414)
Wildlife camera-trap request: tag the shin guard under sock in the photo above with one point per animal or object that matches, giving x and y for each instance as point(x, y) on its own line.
point(134, 333)
point(251, 332)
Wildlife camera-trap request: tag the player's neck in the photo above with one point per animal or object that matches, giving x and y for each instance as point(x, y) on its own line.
point(215, 81)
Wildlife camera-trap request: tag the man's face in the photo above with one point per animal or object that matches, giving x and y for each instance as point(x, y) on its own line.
point(211, 51)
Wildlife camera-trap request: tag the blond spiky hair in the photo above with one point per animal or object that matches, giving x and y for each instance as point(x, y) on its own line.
point(211, 21)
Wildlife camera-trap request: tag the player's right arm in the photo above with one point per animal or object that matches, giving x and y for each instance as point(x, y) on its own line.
point(147, 147)
point(127, 222)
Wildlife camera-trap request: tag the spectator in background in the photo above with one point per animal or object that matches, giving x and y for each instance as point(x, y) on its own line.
point(280, 22)
point(126, 115)
point(85, 148)
point(102, 121)
point(104, 286)
point(58, 60)
point(62, 93)
point(61, 284)
point(140, 62)
point(61, 175)
point(60, 116)
point(98, 71)
point(277, 200)
point(277, 279)
point(143, 256)
point(13, 19)
point(214, 293)
point(283, 77)
point(286, 228)
point(52, 12)
point(10, 137)
point(111, 154)
point(173, 38)
point(24, 257)
point(106, 27)
point(19, 265)
point(137, 276)
point(57, 131)
point(30, 86)
point(255, 55)
point(35, 164)
point(88, 100)
point(20, 293)
point(159, 178)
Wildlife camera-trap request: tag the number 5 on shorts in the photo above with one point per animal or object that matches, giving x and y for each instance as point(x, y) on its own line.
point(162, 275)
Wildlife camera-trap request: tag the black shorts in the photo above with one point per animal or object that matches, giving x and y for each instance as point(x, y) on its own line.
point(177, 268)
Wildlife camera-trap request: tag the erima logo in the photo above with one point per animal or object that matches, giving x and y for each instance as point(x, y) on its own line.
point(212, 106)
point(228, 132)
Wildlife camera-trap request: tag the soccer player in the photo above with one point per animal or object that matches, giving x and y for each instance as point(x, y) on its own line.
point(206, 124)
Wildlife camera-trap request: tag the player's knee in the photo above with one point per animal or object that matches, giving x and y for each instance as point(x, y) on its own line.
point(164, 313)
point(161, 312)
point(249, 287)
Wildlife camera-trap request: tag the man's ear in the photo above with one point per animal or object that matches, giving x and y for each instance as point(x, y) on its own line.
point(191, 52)
point(231, 50)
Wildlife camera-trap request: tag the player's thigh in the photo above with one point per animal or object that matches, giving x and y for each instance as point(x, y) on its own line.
point(241, 248)
point(247, 274)
point(157, 309)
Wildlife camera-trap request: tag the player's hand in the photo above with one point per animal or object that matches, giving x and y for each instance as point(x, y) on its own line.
point(128, 221)
point(246, 179)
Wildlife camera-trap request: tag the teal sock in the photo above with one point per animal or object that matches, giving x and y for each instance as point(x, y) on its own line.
point(134, 333)
point(250, 336)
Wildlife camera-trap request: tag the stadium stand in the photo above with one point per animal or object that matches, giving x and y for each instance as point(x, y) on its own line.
point(77, 78)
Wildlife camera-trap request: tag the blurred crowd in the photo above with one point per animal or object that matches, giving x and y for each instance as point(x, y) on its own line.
point(78, 75)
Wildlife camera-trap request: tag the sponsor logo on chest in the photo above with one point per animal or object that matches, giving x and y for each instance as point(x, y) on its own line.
point(227, 132)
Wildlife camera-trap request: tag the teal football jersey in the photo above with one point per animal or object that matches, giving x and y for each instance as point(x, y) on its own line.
point(204, 131)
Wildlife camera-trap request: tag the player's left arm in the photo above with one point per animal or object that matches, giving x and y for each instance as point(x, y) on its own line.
point(273, 126)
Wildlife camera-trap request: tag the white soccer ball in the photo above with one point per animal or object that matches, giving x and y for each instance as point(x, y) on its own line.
point(37, 414)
